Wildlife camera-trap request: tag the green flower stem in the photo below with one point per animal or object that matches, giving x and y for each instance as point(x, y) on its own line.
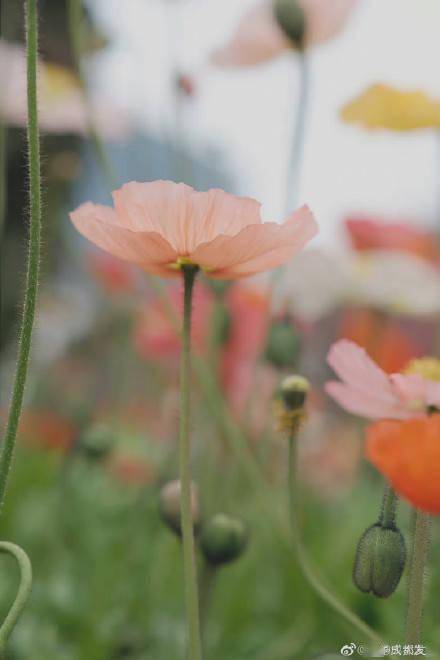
point(303, 561)
point(22, 595)
point(419, 556)
point(389, 505)
point(3, 185)
point(189, 555)
point(299, 134)
point(34, 249)
point(75, 25)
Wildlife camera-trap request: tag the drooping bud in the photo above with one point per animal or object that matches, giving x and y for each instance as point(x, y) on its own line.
point(223, 539)
point(380, 560)
point(291, 18)
point(98, 441)
point(283, 345)
point(289, 403)
point(170, 506)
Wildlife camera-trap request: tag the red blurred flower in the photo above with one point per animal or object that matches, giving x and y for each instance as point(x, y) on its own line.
point(44, 429)
point(248, 308)
point(408, 454)
point(155, 336)
point(389, 346)
point(378, 234)
point(114, 275)
point(132, 469)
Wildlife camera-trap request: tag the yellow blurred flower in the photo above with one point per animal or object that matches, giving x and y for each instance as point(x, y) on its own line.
point(381, 106)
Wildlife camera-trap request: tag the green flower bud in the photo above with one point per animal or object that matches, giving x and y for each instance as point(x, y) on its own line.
point(98, 441)
point(223, 539)
point(290, 17)
point(283, 345)
point(380, 560)
point(170, 506)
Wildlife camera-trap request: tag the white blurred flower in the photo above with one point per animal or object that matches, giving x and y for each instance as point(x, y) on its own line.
point(61, 102)
point(316, 282)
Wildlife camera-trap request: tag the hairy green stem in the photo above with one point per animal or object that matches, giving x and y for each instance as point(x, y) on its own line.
point(301, 553)
point(189, 555)
point(389, 505)
point(75, 25)
point(33, 266)
point(419, 557)
point(23, 592)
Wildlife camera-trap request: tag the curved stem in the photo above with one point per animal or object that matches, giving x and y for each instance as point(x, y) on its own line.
point(419, 556)
point(22, 596)
point(33, 266)
point(389, 505)
point(75, 25)
point(303, 561)
point(189, 555)
point(299, 134)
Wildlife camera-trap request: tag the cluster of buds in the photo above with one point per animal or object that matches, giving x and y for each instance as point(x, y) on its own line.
point(222, 538)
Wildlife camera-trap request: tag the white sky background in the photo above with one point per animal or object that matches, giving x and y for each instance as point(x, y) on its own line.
point(248, 112)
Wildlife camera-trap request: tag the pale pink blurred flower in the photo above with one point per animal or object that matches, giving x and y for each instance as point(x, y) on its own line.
point(368, 391)
point(161, 226)
point(259, 37)
point(62, 107)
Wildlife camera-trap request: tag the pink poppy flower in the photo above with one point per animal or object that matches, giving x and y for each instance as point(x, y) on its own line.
point(161, 226)
point(259, 37)
point(368, 391)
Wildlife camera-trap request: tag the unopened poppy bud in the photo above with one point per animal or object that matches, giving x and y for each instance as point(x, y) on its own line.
point(282, 345)
point(380, 560)
point(223, 539)
point(291, 19)
point(289, 403)
point(294, 390)
point(170, 506)
point(98, 441)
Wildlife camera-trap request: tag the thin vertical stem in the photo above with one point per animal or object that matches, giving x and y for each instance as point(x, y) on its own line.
point(22, 595)
point(189, 555)
point(33, 267)
point(303, 561)
point(419, 556)
point(299, 134)
point(75, 24)
point(389, 505)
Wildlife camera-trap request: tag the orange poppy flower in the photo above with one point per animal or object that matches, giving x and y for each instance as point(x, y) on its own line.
point(408, 454)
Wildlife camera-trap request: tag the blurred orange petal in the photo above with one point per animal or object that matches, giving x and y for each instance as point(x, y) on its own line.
point(408, 454)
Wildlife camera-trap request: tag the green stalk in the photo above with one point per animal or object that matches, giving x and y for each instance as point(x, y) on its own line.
point(22, 595)
point(34, 249)
point(299, 134)
point(389, 505)
point(301, 553)
point(419, 556)
point(75, 26)
point(189, 554)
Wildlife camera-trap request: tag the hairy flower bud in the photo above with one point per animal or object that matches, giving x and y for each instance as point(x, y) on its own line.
point(170, 506)
point(282, 345)
point(380, 560)
point(223, 539)
point(291, 19)
point(98, 441)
